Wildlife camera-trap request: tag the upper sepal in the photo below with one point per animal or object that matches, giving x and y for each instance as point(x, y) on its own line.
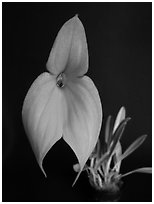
point(69, 53)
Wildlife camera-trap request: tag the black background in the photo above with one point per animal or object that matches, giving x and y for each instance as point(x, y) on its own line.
point(119, 39)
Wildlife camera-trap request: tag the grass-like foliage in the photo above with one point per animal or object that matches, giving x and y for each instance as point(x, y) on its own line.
point(103, 167)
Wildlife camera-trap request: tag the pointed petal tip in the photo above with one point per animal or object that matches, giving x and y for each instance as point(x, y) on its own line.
point(84, 118)
point(76, 178)
point(41, 167)
point(69, 53)
point(75, 19)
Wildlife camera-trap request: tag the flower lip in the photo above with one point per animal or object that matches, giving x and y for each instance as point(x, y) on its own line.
point(61, 80)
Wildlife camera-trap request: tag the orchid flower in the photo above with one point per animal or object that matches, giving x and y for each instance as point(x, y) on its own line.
point(63, 103)
point(105, 161)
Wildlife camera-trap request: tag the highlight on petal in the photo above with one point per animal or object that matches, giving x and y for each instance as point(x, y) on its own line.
point(69, 53)
point(42, 115)
point(84, 118)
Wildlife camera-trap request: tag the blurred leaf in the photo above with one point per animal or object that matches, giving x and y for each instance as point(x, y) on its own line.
point(108, 130)
point(133, 147)
point(117, 155)
point(118, 134)
point(140, 170)
point(96, 151)
point(116, 138)
point(120, 117)
point(101, 160)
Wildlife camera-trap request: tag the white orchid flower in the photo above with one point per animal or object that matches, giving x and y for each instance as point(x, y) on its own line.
point(63, 103)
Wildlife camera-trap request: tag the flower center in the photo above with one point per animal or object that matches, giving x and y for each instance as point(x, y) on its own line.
point(61, 80)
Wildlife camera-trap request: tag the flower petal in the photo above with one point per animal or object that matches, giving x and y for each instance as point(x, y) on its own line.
point(42, 115)
point(69, 53)
point(84, 118)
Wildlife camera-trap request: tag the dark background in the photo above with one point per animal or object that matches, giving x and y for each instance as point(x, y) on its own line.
point(119, 38)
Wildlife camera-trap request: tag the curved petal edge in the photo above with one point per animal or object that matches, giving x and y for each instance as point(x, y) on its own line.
point(69, 53)
point(41, 114)
point(84, 118)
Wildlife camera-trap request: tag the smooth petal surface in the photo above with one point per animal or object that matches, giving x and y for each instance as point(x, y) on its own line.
point(84, 118)
point(43, 115)
point(69, 53)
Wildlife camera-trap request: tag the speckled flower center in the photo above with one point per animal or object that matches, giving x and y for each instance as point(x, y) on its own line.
point(61, 80)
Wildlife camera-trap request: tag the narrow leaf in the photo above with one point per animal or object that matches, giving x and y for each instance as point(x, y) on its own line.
point(108, 130)
point(96, 151)
point(118, 134)
point(101, 160)
point(117, 154)
point(120, 117)
point(115, 140)
point(98, 148)
point(140, 170)
point(133, 146)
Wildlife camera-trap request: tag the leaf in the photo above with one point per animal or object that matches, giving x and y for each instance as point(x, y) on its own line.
point(97, 150)
point(118, 134)
point(120, 117)
point(114, 142)
point(101, 161)
point(117, 154)
point(140, 170)
point(108, 130)
point(69, 53)
point(133, 147)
